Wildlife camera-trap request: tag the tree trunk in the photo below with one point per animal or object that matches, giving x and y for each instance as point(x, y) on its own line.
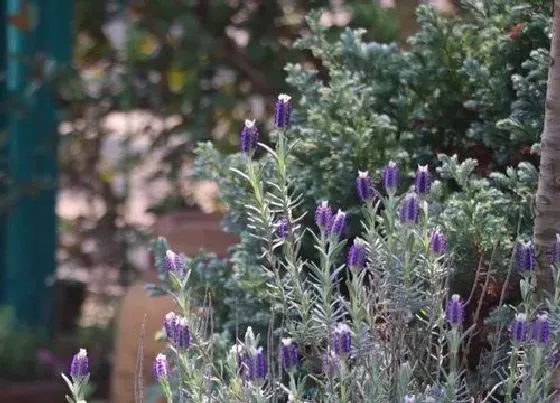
point(547, 200)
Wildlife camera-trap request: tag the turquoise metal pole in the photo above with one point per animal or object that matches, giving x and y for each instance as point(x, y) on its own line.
point(3, 164)
point(18, 283)
point(30, 225)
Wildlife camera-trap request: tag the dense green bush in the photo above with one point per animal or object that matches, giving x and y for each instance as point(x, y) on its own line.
point(471, 85)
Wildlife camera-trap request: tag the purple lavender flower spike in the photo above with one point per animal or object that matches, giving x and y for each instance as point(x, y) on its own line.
point(169, 260)
point(518, 328)
point(174, 263)
point(169, 324)
point(249, 137)
point(540, 332)
point(289, 354)
point(323, 216)
point(422, 182)
point(554, 253)
point(283, 111)
point(438, 242)
point(260, 365)
point(357, 255)
point(364, 186)
point(282, 227)
point(408, 214)
point(391, 178)
point(341, 340)
point(79, 368)
point(338, 222)
point(161, 367)
point(181, 334)
point(525, 256)
point(455, 311)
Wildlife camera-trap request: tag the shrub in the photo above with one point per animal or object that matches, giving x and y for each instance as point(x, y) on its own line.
point(372, 318)
point(409, 294)
point(471, 85)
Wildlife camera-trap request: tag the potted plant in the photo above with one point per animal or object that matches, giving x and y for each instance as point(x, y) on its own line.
point(189, 228)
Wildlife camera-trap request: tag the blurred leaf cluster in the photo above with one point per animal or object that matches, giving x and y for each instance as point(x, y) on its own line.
point(18, 348)
point(187, 71)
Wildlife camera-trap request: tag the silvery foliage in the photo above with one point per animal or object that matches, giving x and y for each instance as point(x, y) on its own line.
point(402, 346)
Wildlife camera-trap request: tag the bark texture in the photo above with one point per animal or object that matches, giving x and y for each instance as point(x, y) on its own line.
point(547, 200)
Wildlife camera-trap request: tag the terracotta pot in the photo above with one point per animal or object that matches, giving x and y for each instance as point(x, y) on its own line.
point(186, 232)
point(190, 231)
point(34, 392)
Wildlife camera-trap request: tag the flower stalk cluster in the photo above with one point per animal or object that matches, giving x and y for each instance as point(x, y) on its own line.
point(370, 318)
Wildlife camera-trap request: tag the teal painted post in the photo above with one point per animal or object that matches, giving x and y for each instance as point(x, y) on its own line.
point(30, 225)
point(18, 235)
point(3, 165)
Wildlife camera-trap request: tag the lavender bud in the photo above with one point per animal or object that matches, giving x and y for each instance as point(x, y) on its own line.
point(422, 182)
point(283, 112)
point(288, 354)
point(169, 260)
point(282, 227)
point(169, 324)
point(518, 329)
point(259, 365)
point(455, 311)
point(357, 254)
point(323, 216)
point(341, 339)
point(249, 137)
point(338, 222)
point(161, 367)
point(540, 329)
point(408, 214)
point(174, 262)
point(79, 367)
point(391, 178)
point(525, 257)
point(181, 334)
point(364, 186)
point(554, 253)
point(438, 242)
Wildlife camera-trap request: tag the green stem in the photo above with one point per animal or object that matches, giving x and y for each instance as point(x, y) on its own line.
point(344, 397)
point(535, 372)
point(454, 351)
point(512, 379)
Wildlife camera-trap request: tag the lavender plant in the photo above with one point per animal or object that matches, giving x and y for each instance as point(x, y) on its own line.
point(472, 85)
point(78, 381)
point(373, 318)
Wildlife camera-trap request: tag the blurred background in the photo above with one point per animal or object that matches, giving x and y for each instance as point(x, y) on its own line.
point(102, 104)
